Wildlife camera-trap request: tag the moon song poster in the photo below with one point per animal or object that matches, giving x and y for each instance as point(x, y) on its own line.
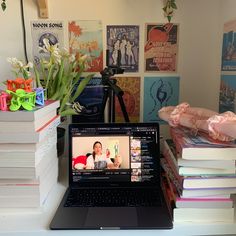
point(159, 92)
point(123, 38)
point(51, 30)
point(85, 38)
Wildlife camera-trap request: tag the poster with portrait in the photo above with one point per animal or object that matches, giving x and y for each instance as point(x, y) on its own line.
point(227, 101)
point(161, 47)
point(123, 39)
point(159, 92)
point(131, 98)
point(228, 59)
point(85, 38)
point(52, 30)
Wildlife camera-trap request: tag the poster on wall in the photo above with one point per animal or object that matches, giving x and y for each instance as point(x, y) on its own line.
point(92, 100)
point(228, 59)
point(85, 38)
point(126, 39)
point(227, 101)
point(52, 30)
point(159, 92)
point(161, 47)
point(131, 97)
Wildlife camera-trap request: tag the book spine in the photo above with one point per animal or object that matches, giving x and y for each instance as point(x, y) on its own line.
point(175, 179)
point(177, 141)
point(168, 154)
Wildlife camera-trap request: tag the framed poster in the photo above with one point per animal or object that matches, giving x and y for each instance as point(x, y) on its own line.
point(159, 92)
point(161, 47)
point(52, 30)
point(228, 60)
point(85, 38)
point(227, 101)
point(126, 39)
point(131, 97)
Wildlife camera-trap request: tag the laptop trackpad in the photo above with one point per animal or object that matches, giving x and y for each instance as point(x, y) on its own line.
point(102, 217)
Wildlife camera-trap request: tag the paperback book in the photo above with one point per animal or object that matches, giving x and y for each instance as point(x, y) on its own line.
point(36, 114)
point(31, 137)
point(201, 146)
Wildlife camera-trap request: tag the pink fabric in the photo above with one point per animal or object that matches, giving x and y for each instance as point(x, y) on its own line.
point(214, 121)
point(176, 114)
point(219, 126)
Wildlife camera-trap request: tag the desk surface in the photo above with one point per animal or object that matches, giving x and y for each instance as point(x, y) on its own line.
point(36, 221)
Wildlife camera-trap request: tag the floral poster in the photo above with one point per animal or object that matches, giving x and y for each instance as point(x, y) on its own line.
point(131, 97)
point(159, 92)
point(161, 46)
point(51, 30)
point(123, 38)
point(228, 62)
point(85, 38)
point(227, 93)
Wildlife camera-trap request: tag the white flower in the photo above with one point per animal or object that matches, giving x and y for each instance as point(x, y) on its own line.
point(72, 58)
point(30, 65)
point(84, 57)
point(17, 64)
point(19, 67)
point(53, 50)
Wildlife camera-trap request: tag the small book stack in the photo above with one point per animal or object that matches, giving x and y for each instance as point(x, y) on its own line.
point(28, 155)
point(199, 177)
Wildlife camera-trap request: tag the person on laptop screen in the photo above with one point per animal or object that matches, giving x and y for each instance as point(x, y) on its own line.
point(99, 160)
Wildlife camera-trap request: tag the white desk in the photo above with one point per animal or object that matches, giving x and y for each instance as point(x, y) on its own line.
point(36, 222)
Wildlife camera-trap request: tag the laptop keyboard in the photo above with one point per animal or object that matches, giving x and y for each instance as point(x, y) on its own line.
point(113, 198)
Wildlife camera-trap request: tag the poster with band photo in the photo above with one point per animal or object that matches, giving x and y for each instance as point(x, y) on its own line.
point(161, 47)
point(123, 38)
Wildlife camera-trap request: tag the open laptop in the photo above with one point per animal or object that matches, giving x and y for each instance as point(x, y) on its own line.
point(122, 189)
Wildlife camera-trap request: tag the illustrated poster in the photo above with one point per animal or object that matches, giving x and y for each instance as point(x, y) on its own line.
point(52, 30)
point(91, 99)
point(161, 47)
point(159, 92)
point(228, 62)
point(85, 38)
point(131, 98)
point(227, 101)
point(126, 39)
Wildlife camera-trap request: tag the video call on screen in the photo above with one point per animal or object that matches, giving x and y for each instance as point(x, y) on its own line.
point(125, 154)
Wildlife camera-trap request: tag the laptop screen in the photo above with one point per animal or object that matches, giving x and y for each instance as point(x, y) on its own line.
point(114, 153)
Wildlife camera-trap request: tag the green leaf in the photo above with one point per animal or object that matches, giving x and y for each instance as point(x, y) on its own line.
point(60, 74)
point(68, 112)
point(3, 5)
point(63, 102)
point(164, 8)
point(173, 5)
point(49, 77)
point(169, 18)
point(38, 83)
point(81, 86)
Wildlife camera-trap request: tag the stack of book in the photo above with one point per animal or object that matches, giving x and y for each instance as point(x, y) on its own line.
point(28, 155)
point(199, 176)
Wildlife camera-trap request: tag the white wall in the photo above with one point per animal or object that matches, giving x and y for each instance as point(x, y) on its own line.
point(200, 36)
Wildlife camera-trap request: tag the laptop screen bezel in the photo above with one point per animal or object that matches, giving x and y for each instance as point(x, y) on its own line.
point(157, 175)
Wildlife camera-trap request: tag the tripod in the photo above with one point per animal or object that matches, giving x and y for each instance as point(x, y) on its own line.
point(111, 89)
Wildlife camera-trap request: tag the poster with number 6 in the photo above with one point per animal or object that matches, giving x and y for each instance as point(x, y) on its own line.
point(159, 92)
